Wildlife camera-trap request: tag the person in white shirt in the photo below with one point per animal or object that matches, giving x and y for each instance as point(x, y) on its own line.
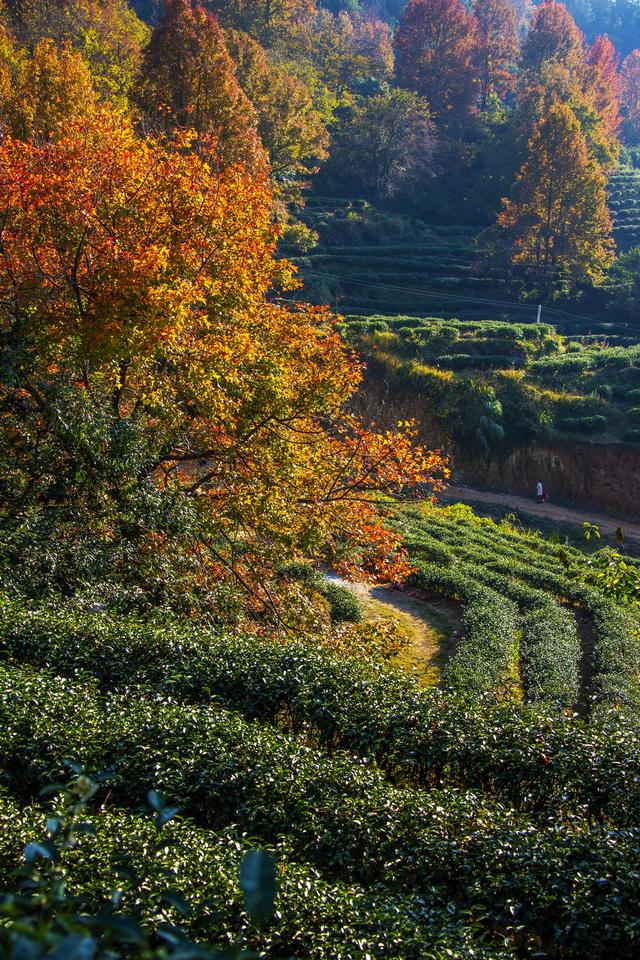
point(540, 492)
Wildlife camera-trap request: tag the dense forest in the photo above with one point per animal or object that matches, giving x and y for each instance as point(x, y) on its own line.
point(265, 691)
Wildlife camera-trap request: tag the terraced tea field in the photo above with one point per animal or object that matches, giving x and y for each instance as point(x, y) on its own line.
point(422, 269)
point(624, 204)
point(371, 262)
point(546, 383)
point(533, 624)
point(457, 821)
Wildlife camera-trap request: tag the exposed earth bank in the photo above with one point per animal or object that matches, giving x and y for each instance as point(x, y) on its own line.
point(587, 475)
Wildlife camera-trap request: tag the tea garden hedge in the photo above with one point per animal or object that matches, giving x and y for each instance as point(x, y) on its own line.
point(492, 816)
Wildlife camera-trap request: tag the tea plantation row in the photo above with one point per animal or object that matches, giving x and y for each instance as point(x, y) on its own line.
point(427, 858)
point(405, 822)
point(520, 597)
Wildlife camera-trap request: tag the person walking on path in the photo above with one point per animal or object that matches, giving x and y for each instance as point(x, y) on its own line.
point(539, 492)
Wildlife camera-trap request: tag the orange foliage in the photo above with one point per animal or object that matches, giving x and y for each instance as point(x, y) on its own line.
point(188, 80)
point(557, 217)
point(630, 76)
point(552, 37)
point(559, 67)
point(497, 47)
point(436, 44)
point(604, 83)
point(146, 273)
point(55, 86)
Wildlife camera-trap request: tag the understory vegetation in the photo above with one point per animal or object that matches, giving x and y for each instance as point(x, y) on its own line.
point(495, 384)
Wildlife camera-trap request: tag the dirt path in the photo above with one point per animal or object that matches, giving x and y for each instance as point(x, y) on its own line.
point(431, 628)
point(550, 511)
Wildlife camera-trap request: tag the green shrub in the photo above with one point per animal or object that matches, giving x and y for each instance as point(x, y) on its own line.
point(185, 879)
point(550, 655)
point(594, 424)
point(338, 812)
point(342, 704)
point(303, 572)
point(345, 606)
point(440, 846)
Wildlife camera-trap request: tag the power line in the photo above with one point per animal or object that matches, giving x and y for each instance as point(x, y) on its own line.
point(426, 292)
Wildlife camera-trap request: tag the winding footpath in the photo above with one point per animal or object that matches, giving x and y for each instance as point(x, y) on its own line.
point(431, 628)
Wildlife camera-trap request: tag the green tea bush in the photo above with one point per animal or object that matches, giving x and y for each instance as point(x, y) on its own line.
point(438, 846)
point(345, 606)
point(537, 576)
point(461, 361)
point(184, 881)
point(46, 913)
point(564, 363)
point(616, 653)
point(593, 424)
point(414, 735)
point(550, 655)
point(485, 654)
point(337, 812)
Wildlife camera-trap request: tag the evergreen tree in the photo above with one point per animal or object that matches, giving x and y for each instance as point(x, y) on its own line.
point(395, 133)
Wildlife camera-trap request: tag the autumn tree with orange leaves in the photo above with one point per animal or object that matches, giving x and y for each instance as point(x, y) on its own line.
point(553, 36)
point(557, 218)
point(497, 49)
point(435, 46)
point(188, 80)
point(148, 375)
point(559, 66)
point(630, 80)
point(604, 84)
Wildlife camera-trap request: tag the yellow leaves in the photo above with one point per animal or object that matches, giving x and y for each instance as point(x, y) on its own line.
point(139, 230)
point(145, 270)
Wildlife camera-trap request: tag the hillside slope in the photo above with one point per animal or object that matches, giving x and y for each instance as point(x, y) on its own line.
point(370, 261)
